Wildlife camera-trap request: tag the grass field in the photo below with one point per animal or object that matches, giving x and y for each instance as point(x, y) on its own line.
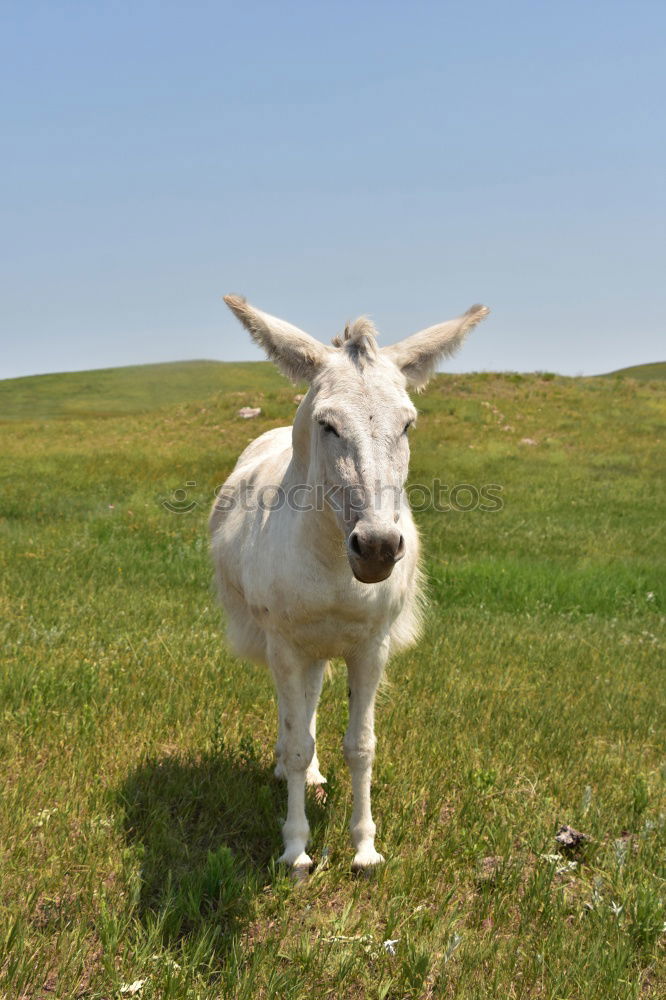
point(139, 818)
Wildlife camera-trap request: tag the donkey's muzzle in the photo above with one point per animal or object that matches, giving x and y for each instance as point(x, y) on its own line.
point(373, 554)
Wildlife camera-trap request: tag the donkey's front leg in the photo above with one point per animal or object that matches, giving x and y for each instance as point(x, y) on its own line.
point(290, 671)
point(314, 677)
point(364, 670)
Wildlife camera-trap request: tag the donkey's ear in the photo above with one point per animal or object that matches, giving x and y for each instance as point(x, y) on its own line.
point(298, 355)
point(417, 356)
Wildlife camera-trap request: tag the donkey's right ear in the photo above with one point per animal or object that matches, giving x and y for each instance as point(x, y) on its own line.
point(298, 355)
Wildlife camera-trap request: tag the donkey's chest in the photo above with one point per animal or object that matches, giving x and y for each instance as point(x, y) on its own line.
point(328, 619)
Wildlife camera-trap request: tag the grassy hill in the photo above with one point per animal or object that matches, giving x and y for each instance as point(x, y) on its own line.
point(655, 370)
point(133, 389)
point(139, 817)
point(108, 392)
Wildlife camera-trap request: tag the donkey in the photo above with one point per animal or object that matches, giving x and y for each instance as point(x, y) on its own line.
point(315, 550)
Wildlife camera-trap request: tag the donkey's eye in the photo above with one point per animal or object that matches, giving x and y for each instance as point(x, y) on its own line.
point(407, 426)
point(328, 428)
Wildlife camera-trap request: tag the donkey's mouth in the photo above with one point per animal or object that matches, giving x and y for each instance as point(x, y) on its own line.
point(372, 574)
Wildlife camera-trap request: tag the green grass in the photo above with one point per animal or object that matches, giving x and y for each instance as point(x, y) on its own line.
point(139, 819)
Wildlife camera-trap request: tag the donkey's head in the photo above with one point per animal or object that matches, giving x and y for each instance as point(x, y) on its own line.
point(351, 430)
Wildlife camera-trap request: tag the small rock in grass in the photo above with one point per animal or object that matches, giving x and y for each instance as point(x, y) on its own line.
point(567, 837)
point(247, 412)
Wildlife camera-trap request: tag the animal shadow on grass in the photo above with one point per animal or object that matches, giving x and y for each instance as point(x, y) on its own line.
point(207, 826)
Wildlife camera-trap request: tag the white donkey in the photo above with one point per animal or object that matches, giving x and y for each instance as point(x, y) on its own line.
point(315, 549)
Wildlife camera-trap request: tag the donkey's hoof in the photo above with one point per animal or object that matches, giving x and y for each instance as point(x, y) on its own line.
point(365, 859)
point(296, 860)
point(314, 777)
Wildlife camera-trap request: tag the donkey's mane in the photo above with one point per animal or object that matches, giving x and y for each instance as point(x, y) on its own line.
point(359, 340)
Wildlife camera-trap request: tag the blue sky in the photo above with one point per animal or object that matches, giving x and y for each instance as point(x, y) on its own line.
point(326, 160)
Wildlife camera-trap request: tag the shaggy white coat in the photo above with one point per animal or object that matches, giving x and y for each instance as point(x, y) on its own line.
point(287, 578)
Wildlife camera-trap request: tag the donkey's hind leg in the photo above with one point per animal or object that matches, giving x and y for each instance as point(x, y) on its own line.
point(280, 770)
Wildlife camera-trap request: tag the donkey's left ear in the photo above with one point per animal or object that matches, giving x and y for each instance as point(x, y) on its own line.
point(298, 355)
point(417, 356)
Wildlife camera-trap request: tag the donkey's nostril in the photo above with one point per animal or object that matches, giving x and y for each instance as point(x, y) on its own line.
point(393, 548)
point(385, 548)
point(355, 545)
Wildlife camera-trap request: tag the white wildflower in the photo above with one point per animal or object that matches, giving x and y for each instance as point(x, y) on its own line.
point(131, 988)
point(389, 945)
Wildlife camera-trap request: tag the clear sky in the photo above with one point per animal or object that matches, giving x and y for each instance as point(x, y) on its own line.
point(328, 159)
